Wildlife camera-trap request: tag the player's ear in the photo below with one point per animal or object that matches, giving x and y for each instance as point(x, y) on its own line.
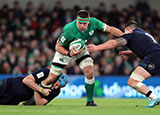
point(127, 30)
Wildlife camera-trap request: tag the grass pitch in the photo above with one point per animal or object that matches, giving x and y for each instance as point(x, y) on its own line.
point(76, 107)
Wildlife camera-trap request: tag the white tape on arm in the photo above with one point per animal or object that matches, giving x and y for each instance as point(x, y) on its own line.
point(105, 26)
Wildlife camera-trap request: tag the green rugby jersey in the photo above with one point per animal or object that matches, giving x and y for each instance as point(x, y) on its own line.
point(71, 32)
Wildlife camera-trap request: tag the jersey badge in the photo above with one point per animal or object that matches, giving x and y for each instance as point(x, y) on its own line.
point(151, 66)
point(91, 32)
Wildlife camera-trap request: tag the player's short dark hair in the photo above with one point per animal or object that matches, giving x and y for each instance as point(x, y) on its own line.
point(131, 24)
point(83, 14)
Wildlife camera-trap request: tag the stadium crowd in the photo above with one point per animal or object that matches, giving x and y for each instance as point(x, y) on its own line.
point(28, 36)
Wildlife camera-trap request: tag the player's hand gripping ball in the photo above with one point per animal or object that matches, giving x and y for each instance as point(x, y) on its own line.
point(78, 44)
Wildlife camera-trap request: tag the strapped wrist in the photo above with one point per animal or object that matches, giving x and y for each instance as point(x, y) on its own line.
point(41, 90)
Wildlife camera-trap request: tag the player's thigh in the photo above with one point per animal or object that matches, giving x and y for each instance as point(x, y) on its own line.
point(61, 59)
point(88, 71)
point(84, 60)
point(58, 63)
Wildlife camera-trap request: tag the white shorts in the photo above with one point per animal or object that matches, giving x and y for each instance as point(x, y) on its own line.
point(62, 60)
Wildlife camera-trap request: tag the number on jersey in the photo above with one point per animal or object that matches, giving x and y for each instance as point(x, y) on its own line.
point(150, 36)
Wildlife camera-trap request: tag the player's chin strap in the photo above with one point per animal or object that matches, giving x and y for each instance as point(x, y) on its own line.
point(45, 86)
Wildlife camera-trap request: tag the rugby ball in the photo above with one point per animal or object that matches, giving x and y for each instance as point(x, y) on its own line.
point(78, 44)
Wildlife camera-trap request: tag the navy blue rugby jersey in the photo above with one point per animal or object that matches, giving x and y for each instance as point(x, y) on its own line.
point(14, 91)
point(141, 43)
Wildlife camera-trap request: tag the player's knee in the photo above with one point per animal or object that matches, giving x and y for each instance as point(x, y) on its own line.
point(89, 74)
point(136, 77)
point(131, 82)
point(86, 62)
point(55, 70)
point(88, 71)
point(135, 81)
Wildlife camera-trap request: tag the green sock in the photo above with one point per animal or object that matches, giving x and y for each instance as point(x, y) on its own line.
point(89, 91)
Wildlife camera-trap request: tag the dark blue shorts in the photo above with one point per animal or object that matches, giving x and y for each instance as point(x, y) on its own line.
point(151, 63)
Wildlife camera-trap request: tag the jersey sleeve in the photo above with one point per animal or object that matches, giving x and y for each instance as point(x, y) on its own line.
point(52, 95)
point(40, 75)
point(66, 37)
point(63, 39)
point(100, 25)
point(127, 37)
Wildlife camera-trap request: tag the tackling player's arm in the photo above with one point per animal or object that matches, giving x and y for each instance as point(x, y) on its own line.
point(39, 100)
point(30, 82)
point(110, 44)
point(126, 53)
point(113, 30)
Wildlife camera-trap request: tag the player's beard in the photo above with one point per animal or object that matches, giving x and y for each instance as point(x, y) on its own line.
point(81, 29)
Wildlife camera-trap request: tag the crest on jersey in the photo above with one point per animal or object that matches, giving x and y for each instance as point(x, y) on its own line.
point(151, 66)
point(91, 32)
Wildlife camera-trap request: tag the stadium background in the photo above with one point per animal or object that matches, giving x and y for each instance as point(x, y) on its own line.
point(28, 31)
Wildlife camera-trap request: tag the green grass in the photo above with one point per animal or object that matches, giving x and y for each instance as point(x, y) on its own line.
point(76, 107)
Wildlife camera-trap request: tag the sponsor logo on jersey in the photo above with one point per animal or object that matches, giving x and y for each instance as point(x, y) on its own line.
point(63, 39)
point(39, 75)
point(91, 32)
point(64, 60)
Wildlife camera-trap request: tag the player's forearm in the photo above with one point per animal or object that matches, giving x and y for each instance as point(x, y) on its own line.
point(61, 49)
point(114, 31)
point(30, 82)
point(39, 100)
point(131, 53)
point(107, 45)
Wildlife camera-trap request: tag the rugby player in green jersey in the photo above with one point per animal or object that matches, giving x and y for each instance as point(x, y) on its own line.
point(81, 28)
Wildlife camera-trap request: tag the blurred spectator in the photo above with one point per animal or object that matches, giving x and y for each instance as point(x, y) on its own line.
point(96, 70)
point(17, 70)
point(143, 6)
point(5, 68)
point(59, 9)
point(34, 23)
point(118, 66)
point(17, 12)
point(112, 14)
point(77, 70)
point(68, 16)
point(101, 11)
point(29, 7)
point(4, 12)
